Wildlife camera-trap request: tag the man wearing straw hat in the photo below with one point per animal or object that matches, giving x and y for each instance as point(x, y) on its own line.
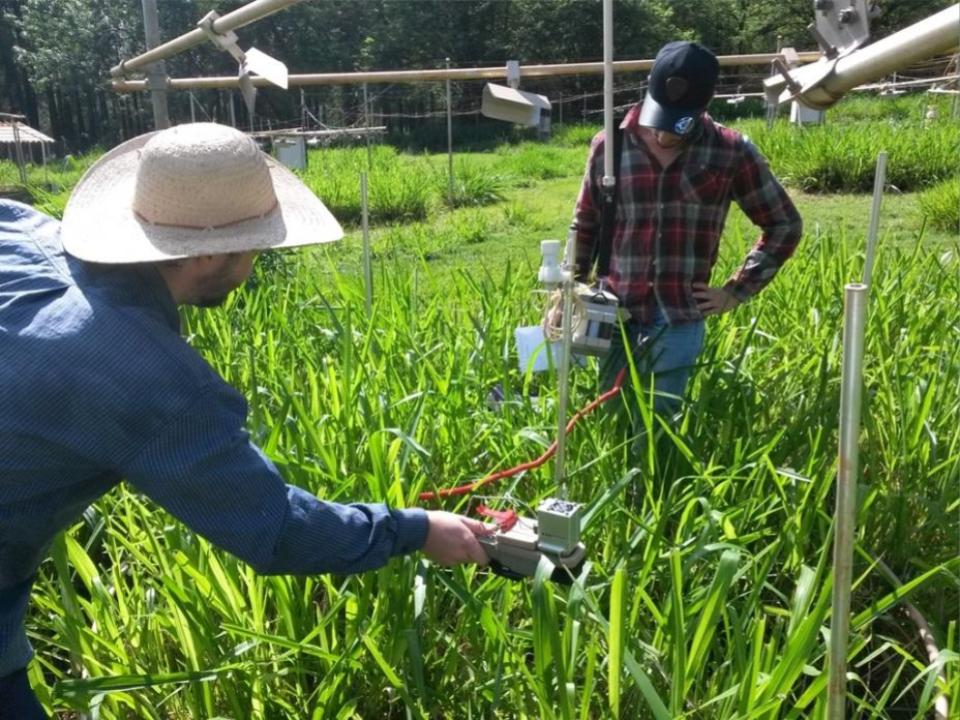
point(679, 172)
point(97, 385)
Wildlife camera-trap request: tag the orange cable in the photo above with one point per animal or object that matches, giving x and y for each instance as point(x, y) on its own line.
point(474, 486)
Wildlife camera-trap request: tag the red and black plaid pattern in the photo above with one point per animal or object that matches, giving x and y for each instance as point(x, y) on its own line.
point(668, 222)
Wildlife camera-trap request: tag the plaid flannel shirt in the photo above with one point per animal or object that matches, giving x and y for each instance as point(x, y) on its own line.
point(668, 222)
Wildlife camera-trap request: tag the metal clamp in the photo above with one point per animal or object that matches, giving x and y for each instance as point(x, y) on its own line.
point(228, 43)
point(224, 41)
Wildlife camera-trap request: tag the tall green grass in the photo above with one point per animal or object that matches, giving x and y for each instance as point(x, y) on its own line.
point(841, 157)
point(707, 591)
point(941, 205)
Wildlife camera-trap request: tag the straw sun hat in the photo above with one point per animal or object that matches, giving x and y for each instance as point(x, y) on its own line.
point(194, 189)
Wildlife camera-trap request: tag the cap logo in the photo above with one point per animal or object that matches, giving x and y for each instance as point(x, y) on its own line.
point(683, 125)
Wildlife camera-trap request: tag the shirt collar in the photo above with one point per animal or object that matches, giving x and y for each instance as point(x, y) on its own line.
point(139, 285)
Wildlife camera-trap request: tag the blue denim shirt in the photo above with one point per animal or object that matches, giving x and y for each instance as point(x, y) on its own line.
point(96, 385)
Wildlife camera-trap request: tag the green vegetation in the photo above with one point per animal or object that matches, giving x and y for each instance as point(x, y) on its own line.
point(707, 594)
point(941, 204)
point(708, 591)
point(841, 157)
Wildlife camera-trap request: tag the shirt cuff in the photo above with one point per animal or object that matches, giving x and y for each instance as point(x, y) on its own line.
point(412, 527)
point(739, 289)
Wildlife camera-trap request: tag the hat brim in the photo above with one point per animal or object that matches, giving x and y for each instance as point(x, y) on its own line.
point(99, 224)
point(679, 121)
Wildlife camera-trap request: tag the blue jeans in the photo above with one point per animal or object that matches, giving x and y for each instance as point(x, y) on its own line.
point(667, 353)
point(17, 701)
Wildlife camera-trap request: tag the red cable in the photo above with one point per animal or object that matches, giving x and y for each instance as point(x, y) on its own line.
point(472, 487)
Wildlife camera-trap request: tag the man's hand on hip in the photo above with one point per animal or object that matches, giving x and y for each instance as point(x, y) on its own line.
point(713, 301)
point(452, 539)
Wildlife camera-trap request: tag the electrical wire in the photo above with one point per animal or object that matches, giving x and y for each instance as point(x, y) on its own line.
point(550, 451)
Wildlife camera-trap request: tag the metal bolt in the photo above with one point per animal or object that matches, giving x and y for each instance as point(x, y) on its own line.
point(848, 16)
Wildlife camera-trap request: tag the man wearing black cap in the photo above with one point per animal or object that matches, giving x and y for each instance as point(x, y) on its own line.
point(678, 173)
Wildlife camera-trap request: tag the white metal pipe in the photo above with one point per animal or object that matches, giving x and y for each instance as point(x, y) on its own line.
point(563, 375)
point(413, 76)
point(855, 311)
point(879, 180)
point(245, 15)
point(826, 81)
point(608, 179)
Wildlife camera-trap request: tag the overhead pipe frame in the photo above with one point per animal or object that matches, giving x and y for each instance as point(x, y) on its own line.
point(823, 83)
point(413, 76)
point(256, 10)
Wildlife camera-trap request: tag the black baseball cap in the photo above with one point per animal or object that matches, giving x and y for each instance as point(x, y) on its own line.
point(681, 85)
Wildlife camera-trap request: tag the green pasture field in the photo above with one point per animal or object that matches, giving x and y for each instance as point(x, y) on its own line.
point(707, 591)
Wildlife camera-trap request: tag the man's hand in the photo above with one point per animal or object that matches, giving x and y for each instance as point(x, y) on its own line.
point(713, 301)
point(452, 539)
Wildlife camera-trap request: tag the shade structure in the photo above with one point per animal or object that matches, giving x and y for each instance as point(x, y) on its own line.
point(27, 134)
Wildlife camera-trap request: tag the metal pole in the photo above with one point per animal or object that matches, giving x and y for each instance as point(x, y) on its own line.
point(563, 379)
point(231, 21)
point(449, 141)
point(457, 74)
point(193, 110)
point(156, 72)
point(608, 179)
point(772, 106)
point(879, 180)
point(367, 266)
point(233, 112)
point(855, 310)
point(366, 125)
point(826, 81)
point(21, 165)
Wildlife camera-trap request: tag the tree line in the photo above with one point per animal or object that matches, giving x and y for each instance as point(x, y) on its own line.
point(56, 54)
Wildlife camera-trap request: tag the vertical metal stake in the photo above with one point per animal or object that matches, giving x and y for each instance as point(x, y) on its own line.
point(879, 180)
point(367, 266)
point(21, 164)
point(449, 141)
point(157, 73)
point(566, 287)
point(844, 523)
point(366, 125)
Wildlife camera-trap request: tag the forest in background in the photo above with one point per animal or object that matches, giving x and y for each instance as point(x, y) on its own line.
point(56, 54)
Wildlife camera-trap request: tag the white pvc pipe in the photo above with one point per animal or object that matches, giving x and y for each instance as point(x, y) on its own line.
point(245, 15)
point(845, 516)
point(936, 34)
point(411, 76)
